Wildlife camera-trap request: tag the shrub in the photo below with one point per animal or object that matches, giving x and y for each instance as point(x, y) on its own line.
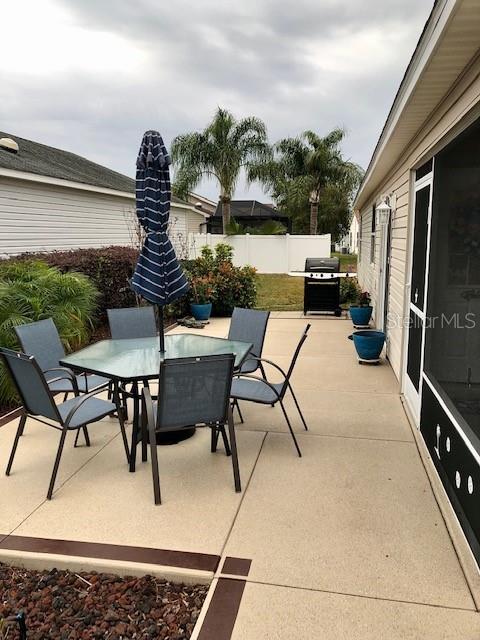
point(230, 286)
point(349, 290)
point(32, 290)
point(110, 269)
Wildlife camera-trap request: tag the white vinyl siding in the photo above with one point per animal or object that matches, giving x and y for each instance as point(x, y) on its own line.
point(42, 217)
point(460, 102)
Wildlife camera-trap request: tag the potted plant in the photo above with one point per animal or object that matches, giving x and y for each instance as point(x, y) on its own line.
point(202, 294)
point(361, 312)
point(368, 344)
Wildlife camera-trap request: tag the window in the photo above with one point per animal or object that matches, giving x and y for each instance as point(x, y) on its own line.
point(372, 236)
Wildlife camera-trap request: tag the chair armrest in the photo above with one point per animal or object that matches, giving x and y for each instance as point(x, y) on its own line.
point(84, 398)
point(148, 407)
point(258, 379)
point(273, 364)
point(67, 375)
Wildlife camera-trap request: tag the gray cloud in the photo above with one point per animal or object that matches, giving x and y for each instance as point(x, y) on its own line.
point(296, 64)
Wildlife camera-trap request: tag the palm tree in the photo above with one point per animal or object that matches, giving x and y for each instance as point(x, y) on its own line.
point(309, 171)
point(221, 151)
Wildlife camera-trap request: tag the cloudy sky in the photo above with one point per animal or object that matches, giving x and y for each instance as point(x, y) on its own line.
point(91, 75)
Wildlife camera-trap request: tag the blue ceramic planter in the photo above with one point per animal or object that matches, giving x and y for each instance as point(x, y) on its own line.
point(369, 344)
point(201, 311)
point(360, 316)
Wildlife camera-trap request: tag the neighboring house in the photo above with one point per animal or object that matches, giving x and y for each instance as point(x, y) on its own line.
point(420, 258)
point(52, 199)
point(202, 203)
point(353, 235)
point(349, 242)
point(249, 213)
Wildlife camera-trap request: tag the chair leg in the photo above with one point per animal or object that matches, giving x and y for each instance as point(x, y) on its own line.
point(226, 444)
point(22, 425)
point(237, 404)
point(291, 430)
point(298, 407)
point(135, 429)
point(213, 439)
point(116, 399)
point(144, 434)
point(154, 458)
point(65, 396)
point(57, 464)
point(20, 428)
point(75, 444)
point(233, 444)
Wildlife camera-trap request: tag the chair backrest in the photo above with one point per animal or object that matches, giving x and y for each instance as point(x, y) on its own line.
point(31, 384)
point(294, 359)
point(41, 339)
point(249, 325)
point(194, 390)
point(134, 322)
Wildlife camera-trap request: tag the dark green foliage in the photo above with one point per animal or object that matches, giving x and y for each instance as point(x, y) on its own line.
point(349, 290)
point(110, 269)
point(32, 290)
point(231, 286)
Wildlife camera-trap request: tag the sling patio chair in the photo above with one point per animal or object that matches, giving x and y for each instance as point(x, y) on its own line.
point(41, 340)
point(38, 403)
point(256, 389)
point(192, 392)
point(127, 324)
point(130, 323)
point(249, 325)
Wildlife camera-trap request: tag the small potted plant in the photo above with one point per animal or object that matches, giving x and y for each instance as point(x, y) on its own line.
point(361, 311)
point(202, 295)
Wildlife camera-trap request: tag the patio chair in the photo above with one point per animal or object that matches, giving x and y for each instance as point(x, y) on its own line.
point(41, 339)
point(192, 392)
point(38, 403)
point(249, 325)
point(131, 323)
point(255, 389)
point(134, 322)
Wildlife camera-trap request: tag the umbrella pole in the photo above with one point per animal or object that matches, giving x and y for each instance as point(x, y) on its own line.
point(161, 330)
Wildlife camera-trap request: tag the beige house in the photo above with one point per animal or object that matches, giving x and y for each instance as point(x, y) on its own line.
point(51, 199)
point(419, 249)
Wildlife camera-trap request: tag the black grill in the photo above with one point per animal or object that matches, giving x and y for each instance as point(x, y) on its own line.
point(322, 295)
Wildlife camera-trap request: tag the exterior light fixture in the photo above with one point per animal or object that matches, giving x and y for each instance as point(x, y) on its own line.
point(382, 212)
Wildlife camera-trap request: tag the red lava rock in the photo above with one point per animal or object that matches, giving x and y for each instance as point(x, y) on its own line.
point(59, 605)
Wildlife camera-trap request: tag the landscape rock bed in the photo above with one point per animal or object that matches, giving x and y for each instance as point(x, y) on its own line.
point(63, 605)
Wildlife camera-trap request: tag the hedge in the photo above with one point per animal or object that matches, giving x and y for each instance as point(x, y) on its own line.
point(110, 269)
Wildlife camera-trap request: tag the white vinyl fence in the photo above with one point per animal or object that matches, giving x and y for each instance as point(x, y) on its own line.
point(268, 254)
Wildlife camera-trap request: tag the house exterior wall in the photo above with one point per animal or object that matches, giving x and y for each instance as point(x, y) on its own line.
point(458, 109)
point(44, 217)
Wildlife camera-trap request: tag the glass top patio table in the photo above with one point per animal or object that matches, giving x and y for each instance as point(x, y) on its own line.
point(139, 359)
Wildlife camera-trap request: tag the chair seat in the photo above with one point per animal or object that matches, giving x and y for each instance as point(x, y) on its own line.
point(255, 391)
point(64, 385)
point(91, 410)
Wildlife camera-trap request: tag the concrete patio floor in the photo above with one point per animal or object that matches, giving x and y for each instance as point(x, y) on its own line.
point(346, 542)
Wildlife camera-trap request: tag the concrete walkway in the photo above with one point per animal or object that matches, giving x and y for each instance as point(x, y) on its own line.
point(345, 543)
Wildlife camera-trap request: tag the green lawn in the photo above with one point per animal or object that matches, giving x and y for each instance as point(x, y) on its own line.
point(279, 292)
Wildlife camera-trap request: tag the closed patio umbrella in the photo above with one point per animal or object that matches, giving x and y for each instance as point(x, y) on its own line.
point(158, 277)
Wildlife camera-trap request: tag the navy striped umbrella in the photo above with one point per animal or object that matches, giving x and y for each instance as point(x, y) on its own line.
point(158, 277)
